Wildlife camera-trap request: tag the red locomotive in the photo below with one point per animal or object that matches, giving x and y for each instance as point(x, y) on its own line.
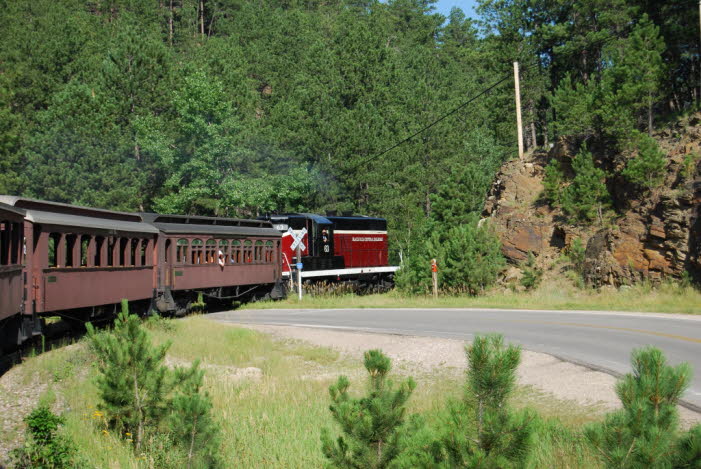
point(346, 247)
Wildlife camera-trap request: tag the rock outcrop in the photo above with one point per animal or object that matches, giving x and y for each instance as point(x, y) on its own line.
point(655, 235)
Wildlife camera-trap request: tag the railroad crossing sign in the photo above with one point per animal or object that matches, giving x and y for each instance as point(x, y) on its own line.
point(297, 238)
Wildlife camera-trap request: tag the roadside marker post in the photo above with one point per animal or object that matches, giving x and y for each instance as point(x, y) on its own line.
point(434, 276)
point(298, 244)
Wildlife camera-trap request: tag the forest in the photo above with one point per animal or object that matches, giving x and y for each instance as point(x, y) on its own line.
point(243, 107)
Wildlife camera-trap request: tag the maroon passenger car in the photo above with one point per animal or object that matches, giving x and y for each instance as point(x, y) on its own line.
point(223, 258)
point(11, 268)
point(79, 263)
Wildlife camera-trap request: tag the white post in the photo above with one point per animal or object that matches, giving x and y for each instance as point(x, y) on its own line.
point(519, 127)
point(299, 272)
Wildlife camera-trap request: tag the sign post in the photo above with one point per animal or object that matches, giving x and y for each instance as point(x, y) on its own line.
point(298, 244)
point(434, 276)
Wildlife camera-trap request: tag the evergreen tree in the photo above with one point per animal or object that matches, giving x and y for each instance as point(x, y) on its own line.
point(647, 168)
point(191, 421)
point(532, 275)
point(552, 182)
point(132, 383)
point(644, 433)
point(471, 257)
point(372, 425)
point(484, 431)
point(586, 196)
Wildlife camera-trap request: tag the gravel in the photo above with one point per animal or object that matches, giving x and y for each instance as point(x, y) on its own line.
point(560, 379)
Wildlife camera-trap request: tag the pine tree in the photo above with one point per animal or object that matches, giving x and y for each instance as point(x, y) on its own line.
point(586, 196)
point(552, 182)
point(644, 433)
point(372, 425)
point(531, 273)
point(647, 168)
point(132, 382)
point(484, 431)
point(191, 421)
point(471, 257)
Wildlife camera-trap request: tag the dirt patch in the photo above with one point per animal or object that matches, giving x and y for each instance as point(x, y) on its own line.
point(561, 380)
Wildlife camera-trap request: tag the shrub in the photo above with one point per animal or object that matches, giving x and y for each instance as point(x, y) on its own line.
point(484, 431)
point(469, 259)
point(191, 422)
point(532, 275)
point(644, 434)
point(44, 447)
point(586, 196)
point(372, 425)
point(132, 383)
point(647, 168)
point(552, 182)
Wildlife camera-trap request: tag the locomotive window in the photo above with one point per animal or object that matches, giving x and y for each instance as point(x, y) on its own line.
point(181, 256)
point(197, 251)
point(247, 251)
point(210, 249)
point(235, 252)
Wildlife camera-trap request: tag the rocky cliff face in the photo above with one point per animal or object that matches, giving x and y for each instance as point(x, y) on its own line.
point(655, 235)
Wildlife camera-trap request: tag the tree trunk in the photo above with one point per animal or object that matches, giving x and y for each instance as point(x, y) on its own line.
point(202, 18)
point(170, 24)
point(649, 114)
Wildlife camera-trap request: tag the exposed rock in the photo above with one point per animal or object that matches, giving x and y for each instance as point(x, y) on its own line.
point(657, 234)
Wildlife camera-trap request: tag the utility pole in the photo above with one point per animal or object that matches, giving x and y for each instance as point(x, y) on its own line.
point(519, 127)
point(698, 96)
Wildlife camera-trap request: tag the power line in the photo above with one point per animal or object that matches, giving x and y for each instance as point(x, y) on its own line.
point(441, 118)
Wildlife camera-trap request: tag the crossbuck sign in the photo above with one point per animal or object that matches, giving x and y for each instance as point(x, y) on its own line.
point(297, 238)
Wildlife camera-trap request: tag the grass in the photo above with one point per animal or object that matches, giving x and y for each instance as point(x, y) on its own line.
point(274, 420)
point(556, 295)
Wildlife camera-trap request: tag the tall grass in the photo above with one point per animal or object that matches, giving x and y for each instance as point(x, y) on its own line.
point(274, 420)
point(558, 295)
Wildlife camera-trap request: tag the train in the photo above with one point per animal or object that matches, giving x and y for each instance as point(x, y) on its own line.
point(78, 263)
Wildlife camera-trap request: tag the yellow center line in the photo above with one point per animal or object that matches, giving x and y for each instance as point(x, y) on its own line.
point(613, 328)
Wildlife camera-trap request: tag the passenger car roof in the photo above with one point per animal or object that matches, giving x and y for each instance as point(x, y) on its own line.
point(188, 224)
point(60, 214)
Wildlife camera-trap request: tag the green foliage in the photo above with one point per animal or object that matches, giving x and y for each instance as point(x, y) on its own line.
point(191, 422)
point(532, 274)
point(372, 425)
point(689, 165)
point(469, 259)
point(552, 182)
point(585, 198)
point(483, 431)
point(44, 447)
point(132, 384)
point(647, 168)
point(644, 433)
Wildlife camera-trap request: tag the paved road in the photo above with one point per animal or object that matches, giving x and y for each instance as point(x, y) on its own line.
point(602, 340)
